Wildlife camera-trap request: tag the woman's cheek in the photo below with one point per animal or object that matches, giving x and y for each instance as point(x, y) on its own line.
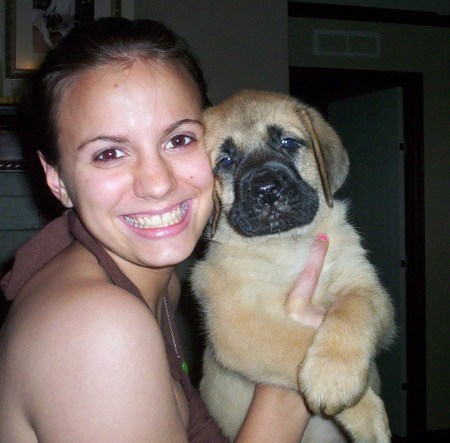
point(104, 187)
point(201, 172)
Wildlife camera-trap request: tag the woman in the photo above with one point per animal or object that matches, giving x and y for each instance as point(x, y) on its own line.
point(89, 350)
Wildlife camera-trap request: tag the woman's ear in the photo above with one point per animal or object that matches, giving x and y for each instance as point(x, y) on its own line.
point(55, 182)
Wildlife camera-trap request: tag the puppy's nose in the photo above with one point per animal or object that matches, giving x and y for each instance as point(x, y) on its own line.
point(266, 186)
point(269, 193)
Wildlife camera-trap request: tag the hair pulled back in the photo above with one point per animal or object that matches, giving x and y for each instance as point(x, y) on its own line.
point(107, 41)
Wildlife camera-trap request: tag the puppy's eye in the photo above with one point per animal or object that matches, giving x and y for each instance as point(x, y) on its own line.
point(225, 162)
point(291, 143)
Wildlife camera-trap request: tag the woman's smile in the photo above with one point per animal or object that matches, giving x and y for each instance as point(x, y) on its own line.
point(164, 220)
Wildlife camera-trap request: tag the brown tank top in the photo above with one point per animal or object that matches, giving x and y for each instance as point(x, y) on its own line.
point(59, 234)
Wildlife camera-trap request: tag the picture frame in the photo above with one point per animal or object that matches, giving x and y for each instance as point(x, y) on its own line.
point(21, 56)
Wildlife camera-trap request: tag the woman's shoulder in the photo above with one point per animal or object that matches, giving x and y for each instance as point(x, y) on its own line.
point(70, 303)
point(83, 344)
point(68, 277)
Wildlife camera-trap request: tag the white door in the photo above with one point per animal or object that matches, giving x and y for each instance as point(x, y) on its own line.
point(371, 127)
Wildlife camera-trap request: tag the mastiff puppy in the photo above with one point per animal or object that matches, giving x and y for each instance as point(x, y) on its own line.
point(277, 165)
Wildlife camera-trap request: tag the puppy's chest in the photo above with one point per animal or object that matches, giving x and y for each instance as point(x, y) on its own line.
point(261, 274)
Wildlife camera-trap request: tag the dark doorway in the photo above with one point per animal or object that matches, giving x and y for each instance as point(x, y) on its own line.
point(331, 90)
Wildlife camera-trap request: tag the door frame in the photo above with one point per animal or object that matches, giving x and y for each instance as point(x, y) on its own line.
point(320, 85)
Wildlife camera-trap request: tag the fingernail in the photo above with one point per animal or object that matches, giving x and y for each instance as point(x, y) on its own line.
point(324, 237)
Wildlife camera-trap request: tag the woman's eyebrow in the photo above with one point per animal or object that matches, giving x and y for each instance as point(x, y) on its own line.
point(106, 138)
point(179, 123)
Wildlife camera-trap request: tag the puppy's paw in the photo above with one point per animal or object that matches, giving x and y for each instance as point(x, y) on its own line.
point(331, 381)
point(367, 421)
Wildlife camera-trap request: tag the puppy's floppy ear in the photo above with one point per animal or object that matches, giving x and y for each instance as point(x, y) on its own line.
point(332, 158)
point(215, 215)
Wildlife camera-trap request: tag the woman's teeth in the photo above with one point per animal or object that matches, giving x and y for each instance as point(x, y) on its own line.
point(158, 221)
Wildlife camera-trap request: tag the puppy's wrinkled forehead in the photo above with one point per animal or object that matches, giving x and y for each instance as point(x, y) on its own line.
point(250, 119)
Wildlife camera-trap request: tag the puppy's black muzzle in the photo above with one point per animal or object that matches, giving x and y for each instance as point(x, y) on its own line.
point(270, 198)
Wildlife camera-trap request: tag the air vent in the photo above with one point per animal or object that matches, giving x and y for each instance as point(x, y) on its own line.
point(346, 43)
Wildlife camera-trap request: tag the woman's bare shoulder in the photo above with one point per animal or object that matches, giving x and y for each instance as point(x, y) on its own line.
point(73, 288)
point(69, 305)
point(91, 351)
point(72, 298)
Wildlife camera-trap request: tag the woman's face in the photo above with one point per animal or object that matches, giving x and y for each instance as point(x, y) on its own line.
point(133, 163)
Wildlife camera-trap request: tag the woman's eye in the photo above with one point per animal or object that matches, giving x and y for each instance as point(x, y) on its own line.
point(110, 154)
point(179, 141)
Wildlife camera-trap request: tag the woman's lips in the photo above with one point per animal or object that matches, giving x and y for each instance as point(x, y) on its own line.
point(158, 221)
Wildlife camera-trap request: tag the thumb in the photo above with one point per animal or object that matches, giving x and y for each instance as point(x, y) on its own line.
point(298, 305)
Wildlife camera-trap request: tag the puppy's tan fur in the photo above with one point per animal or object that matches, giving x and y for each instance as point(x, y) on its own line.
point(243, 284)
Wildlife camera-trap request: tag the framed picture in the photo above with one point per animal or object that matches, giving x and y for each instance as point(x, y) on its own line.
point(35, 26)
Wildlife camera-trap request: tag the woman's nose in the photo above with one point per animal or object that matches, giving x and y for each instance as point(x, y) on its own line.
point(153, 178)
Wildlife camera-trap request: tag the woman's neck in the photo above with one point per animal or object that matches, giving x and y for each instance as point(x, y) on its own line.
point(153, 284)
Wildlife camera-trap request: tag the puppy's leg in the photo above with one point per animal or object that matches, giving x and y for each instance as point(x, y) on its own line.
point(264, 347)
point(367, 421)
point(334, 374)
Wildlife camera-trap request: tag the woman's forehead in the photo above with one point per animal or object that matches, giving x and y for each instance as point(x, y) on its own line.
point(127, 99)
point(146, 75)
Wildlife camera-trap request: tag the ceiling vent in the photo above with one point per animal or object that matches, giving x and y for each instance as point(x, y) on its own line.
point(346, 43)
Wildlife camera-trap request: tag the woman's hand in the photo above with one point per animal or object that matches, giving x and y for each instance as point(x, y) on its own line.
point(298, 305)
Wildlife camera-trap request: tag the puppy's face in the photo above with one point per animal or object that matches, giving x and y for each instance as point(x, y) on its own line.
point(272, 156)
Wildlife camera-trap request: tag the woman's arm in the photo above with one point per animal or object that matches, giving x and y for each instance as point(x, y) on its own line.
point(275, 415)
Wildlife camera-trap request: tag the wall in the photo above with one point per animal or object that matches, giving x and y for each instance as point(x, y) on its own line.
point(414, 49)
point(241, 44)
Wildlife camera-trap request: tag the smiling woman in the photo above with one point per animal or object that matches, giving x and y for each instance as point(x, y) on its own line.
point(139, 181)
